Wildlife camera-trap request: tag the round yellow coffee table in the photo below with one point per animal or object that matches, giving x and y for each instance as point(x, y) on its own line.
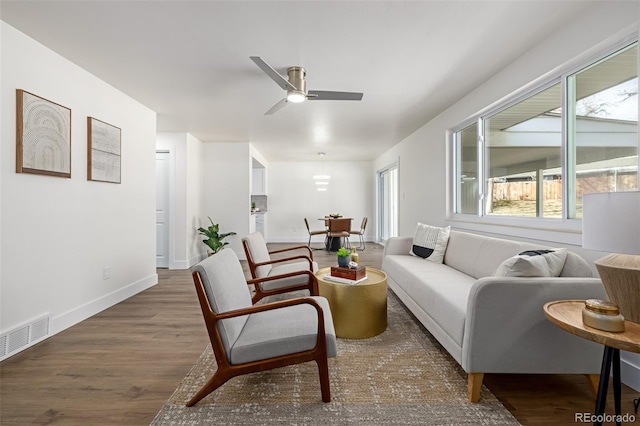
point(359, 310)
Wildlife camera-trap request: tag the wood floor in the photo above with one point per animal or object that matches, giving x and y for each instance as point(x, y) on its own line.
point(120, 366)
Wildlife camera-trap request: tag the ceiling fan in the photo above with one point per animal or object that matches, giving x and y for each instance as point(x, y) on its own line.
point(296, 87)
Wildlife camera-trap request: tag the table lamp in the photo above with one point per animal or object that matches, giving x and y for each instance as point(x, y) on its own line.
point(611, 222)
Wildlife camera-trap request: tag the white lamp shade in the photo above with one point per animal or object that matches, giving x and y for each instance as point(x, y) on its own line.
point(611, 222)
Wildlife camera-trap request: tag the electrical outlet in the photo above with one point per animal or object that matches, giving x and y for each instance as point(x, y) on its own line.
point(106, 272)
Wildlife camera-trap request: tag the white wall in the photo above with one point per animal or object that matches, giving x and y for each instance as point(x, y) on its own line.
point(423, 170)
point(196, 250)
point(185, 193)
point(57, 233)
point(226, 189)
point(293, 196)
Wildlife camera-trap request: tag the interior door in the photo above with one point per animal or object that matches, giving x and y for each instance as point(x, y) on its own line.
point(162, 209)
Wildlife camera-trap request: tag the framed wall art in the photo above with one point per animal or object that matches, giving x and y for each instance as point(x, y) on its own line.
point(103, 151)
point(43, 136)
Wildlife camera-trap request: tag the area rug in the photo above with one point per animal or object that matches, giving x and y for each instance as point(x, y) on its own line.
point(400, 377)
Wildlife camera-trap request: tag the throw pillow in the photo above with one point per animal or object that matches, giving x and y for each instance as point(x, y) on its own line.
point(533, 263)
point(430, 242)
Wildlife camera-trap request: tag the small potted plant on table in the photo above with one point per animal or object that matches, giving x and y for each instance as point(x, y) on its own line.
point(343, 257)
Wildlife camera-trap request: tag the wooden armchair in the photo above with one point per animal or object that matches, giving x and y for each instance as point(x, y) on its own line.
point(263, 266)
point(249, 338)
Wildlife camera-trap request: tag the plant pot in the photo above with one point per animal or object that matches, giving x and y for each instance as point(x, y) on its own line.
point(343, 261)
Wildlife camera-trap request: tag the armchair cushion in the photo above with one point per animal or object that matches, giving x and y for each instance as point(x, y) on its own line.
point(259, 253)
point(219, 275)
point(285, 268)
point(283, 331)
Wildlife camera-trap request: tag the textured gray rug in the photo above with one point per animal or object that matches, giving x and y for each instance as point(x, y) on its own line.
point(401, 377)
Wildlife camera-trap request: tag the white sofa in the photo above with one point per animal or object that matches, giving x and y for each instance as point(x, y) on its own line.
point(493, 324)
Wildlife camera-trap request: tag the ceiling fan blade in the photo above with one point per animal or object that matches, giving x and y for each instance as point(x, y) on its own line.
point(277, 107)
point(275, 75)
point(324, 95)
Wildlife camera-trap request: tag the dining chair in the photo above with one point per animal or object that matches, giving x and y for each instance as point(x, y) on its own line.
point(262, 266)
point(248, 338)
point(360, 233)
point(339, 228)
point(316, 232)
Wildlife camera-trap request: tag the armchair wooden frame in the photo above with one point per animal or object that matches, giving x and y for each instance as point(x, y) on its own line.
point(226, 370)
point(260, 293)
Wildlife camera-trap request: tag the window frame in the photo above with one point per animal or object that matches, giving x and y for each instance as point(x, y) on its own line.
point(565, 229)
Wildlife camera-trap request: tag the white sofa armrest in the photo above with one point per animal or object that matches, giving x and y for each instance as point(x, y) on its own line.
point(506, 330)
point(398, 245)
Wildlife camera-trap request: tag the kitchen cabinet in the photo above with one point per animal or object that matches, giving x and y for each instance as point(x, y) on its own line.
point(258, 181)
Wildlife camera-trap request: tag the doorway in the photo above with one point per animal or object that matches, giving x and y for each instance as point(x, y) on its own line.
point(162, 208)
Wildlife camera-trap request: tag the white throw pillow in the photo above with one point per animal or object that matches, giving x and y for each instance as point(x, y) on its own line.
point(533, 263)
point(430, 242)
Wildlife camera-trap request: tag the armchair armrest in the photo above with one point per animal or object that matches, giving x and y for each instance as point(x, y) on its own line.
point(286, 259)
point(312, 286)
point(277, 305)
point(302, 247)
point(506, 331)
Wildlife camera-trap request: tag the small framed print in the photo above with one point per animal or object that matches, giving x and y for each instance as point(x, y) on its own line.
point(103, 151)
point(43, 136)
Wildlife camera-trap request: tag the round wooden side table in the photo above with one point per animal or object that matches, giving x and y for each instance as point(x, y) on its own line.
point(359, 310)
point(567, 314)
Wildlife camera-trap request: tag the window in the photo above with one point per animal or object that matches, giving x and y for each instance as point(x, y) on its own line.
point(523, 157)
point(467, 170)
point(388, 203)
point(603, 138)
point(536, 159)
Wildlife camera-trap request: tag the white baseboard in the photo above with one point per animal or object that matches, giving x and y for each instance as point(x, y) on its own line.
point(630, 370)
point(186, 264)
point(74, 316)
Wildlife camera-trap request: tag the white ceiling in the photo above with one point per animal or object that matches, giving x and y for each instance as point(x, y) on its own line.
point(189, 62)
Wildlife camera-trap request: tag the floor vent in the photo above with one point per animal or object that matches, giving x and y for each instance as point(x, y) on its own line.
point(22, 337)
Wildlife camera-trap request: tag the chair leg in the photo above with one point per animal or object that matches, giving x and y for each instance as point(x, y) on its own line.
point(217, 380)
point(325, 387)
point(362, 242)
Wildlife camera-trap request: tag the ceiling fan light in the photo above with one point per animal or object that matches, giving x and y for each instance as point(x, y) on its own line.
point(296, 96)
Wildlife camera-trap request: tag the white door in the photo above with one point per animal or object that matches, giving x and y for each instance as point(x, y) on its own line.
point(162, 209)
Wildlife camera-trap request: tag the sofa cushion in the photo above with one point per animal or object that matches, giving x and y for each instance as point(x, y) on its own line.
point(533, 263)
point(441, 291)
point(430, 242)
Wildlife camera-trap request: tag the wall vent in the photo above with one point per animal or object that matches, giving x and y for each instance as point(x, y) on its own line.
point(22, 337)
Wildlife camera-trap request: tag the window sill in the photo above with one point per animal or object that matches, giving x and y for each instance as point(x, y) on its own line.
point(566, 232)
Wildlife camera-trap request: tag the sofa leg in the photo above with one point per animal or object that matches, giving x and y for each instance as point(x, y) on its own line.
point(594, 382)
point(474, 385)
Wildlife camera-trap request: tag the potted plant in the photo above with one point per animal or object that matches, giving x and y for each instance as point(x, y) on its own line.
point(343, 257)
point(214, 239)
